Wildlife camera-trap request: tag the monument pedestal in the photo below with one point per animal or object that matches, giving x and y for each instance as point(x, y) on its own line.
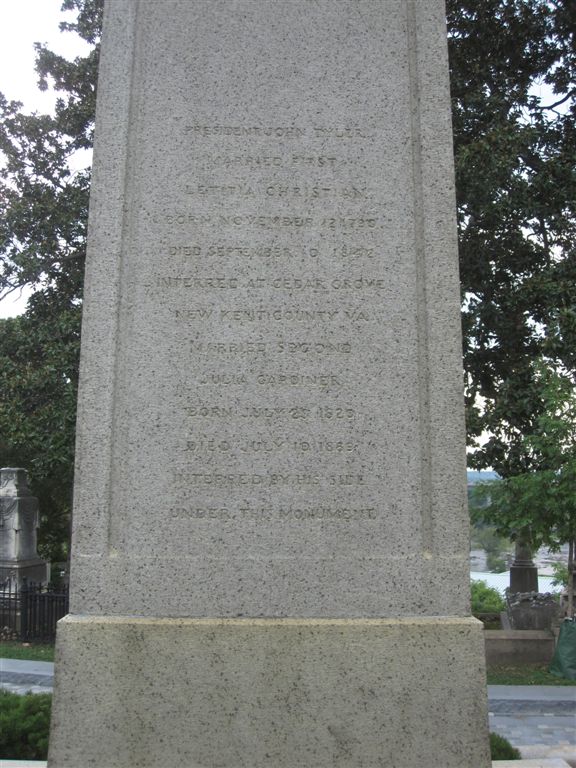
point(523, 572)
point(185, 693)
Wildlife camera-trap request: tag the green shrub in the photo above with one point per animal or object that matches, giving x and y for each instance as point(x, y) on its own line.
point(496, 564)
point(501, 749)
point(485, 599)
point(560, 575)
point(24, 725)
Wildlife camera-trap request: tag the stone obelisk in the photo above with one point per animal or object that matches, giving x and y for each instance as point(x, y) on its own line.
point(270, 550)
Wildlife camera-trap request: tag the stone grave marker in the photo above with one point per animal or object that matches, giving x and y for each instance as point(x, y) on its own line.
point(270, 550)
point(19, 521)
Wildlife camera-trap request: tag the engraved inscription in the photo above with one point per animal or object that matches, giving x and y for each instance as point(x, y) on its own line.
point(245, 131)
point(347, 223)
point(249, 316)
point(206, 446)
point(280, 347)
point(270, 479)
point(313, 283)
point(253, 412)
point(279, 191)
point(277, 218)
point(265, 162)
point(271, 252)
point(319, 380)
point(287, 514)
point(279, 132)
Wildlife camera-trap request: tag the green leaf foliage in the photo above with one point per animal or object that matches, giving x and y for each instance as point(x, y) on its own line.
point(485, 599)
point(38, 379)
point(516, 192)
point(501, 749)
point(539, 505)
point(24, 725)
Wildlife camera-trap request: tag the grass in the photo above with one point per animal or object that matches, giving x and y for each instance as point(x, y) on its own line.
point(26, 651)
point(527, 674)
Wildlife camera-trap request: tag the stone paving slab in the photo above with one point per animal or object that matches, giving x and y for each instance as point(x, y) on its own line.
point(533, 692)
point(554, 763)
point(533, 706)
point(535, 716)
point(27, 667)
point(538, 751)
point(527, 730)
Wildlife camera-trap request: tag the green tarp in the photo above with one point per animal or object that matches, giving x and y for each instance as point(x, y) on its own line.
point(564, 662)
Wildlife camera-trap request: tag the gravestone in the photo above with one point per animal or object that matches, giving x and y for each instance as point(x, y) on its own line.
point(270, 548)
point(19, 521)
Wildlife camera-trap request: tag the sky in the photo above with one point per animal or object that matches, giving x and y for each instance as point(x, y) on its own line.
point(23, 23)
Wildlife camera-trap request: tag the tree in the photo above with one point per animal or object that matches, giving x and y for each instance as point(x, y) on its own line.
point(38, 376)
point(516, 190)
point(541, 504)
point(43, 214)
point(516, 193)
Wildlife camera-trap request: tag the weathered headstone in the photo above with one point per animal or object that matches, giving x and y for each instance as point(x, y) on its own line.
point(270, 563)
point(19, 520)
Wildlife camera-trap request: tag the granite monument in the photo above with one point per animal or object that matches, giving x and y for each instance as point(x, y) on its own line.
point(270, 548)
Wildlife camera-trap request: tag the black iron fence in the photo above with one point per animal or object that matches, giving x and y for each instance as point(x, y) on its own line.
point(29, 613)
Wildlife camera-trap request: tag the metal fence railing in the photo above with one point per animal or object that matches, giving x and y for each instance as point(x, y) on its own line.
point(29, 613)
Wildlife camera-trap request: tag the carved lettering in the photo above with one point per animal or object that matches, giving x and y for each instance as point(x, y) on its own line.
point(275, 379)
point(280, 132)
point(347, 223)
point(315, 191)
point(266, 222)
point(259, 162)
point(196, 282)
point(220, 190)
point(296, 412)
point(287, 514)
point(284, 347)
point(312, 283)
point(205, 446)
point(270, 479)
point(270, 252)
point(341, 132)
point(322, 380)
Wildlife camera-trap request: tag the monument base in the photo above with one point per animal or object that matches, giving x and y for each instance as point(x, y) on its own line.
point(523, 578)
point(181, 693)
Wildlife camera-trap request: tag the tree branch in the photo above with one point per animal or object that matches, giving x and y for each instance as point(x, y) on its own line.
point(557, 103)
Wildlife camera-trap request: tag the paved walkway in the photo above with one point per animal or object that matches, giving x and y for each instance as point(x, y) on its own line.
point(539, 719)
